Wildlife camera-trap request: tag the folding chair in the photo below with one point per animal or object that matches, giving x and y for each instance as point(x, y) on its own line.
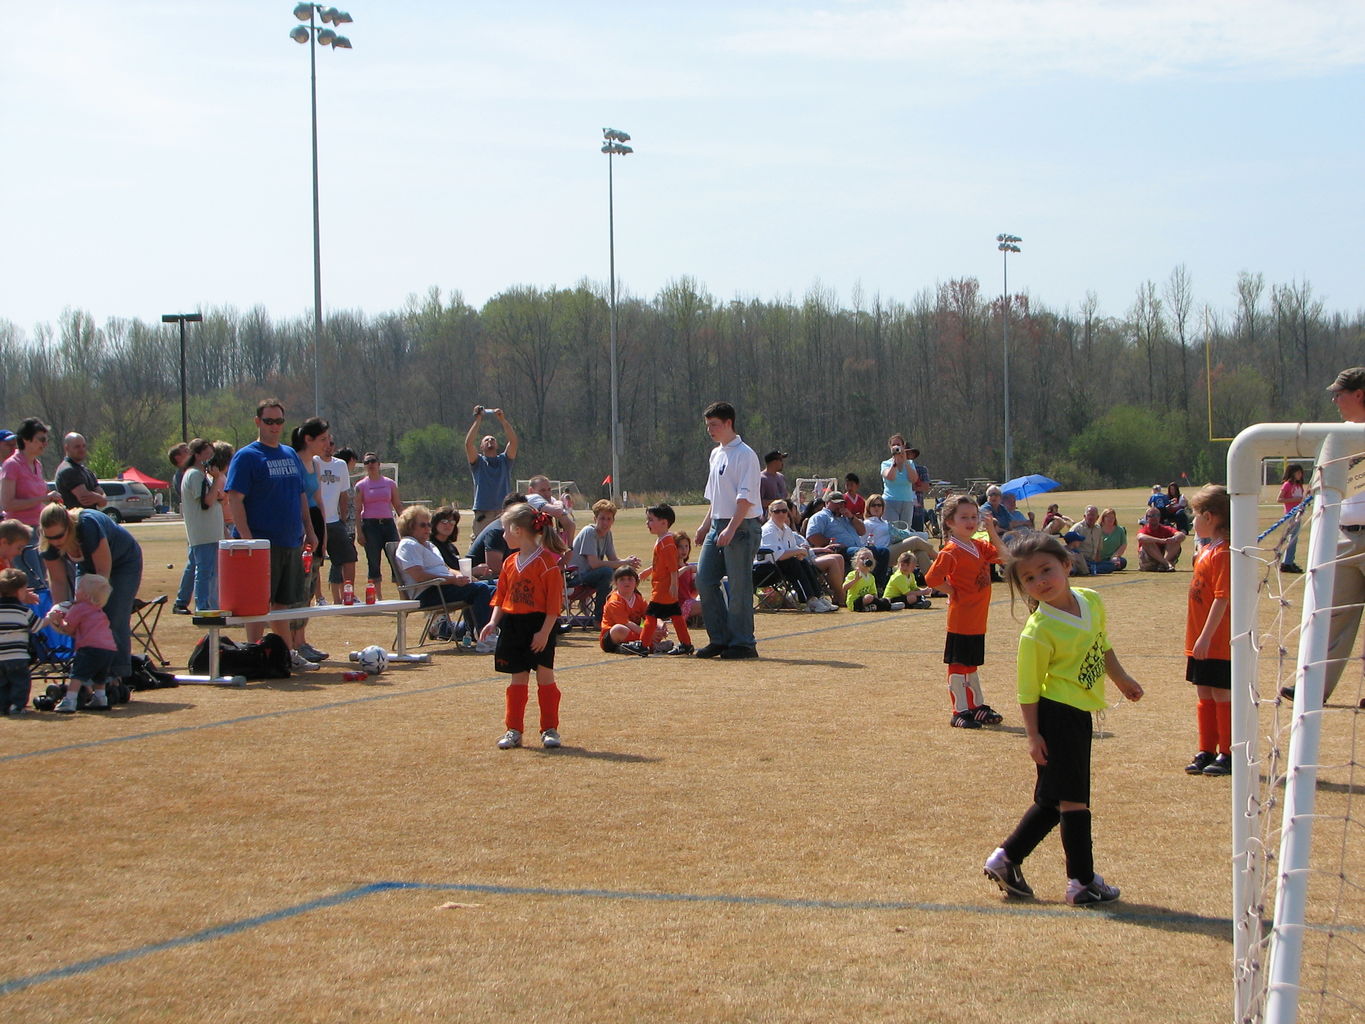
point(586, 599)
point(442, 609)
point(146, 615)
point(772, 590)
point(52, 651)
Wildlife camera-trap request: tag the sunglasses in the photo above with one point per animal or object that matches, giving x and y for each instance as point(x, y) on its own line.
point(778, 512)
point(273, 421)
point(57, 537)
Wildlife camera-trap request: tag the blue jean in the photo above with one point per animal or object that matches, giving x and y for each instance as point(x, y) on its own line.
point(187, 588)
point(732, 626)
point(125, 577)
point(204, 560)
point(477, 595)
point(600, 581)
point(15, 684)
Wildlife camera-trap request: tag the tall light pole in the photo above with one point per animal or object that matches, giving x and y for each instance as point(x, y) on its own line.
point(314, 35)
point(183, 319)
point(1007, 244)
point(614, 144)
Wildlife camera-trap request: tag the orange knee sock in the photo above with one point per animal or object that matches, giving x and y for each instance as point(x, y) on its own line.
point(1207, 718)
point(1224, 711)
point(680, 628)
point(547, 697)
point(651, 626)
point(517, 695)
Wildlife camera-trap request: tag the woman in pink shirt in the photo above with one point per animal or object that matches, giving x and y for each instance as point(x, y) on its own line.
point(1291, 493)
point(377, 497)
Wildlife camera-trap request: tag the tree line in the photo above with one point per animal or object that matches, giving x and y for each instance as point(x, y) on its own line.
point(1097, 399)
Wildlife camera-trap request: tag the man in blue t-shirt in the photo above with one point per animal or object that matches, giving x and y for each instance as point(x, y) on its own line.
point(266, 493)
point(491, 472)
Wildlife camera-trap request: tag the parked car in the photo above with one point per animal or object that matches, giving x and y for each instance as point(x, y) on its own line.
point(129, 502)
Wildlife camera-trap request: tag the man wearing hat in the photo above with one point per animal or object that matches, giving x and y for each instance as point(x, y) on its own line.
point(9, 441)
point(771, 483)
point(836, 529)
point(899, 479)
point(1348, 590)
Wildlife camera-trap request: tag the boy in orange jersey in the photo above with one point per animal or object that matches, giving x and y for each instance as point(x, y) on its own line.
point(962, 571)
point(664, 576)
point(623, 612)
point(1208, 633)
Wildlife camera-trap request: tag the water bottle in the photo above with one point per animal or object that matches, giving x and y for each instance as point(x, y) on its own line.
point(348, 593)
point(355, 677)
point(307, 560)
point(370, 594)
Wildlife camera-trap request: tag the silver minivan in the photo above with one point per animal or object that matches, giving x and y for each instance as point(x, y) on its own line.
point(129, 502)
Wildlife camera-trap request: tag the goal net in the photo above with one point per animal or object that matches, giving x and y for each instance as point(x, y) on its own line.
point(1298, 785)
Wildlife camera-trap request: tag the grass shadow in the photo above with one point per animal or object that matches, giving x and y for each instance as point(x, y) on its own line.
point(1148, 915)
point(768, 659)
point(136, 708)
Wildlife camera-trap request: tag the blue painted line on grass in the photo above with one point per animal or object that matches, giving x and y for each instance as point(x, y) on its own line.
point(862, 622)
point(721, 899)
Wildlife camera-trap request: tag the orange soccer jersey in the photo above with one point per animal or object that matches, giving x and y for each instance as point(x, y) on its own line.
point(661, 572)
point(970, 576)
point(617, 612)
point(1212, 567)
point(533, 586)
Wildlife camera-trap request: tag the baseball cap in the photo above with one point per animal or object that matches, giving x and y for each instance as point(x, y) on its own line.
point(774, 455)
point(1349, 380)
point(7, 435)
point(834, 496)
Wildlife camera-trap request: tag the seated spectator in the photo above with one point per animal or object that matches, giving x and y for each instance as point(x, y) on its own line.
point(622, 613)
point(837, 530)
point(1001, 508)
point(593, 557)
point(856, 503)
point(1158, 499)
point(1158, 544)
point(1055, 523)
point(1083, 542)
point(419, 562)
point(793, 554)
point(1177, 510)
point(879, 535)
point(1113, 543)
point(445, 531)
point(489, 548)
point(687, 580)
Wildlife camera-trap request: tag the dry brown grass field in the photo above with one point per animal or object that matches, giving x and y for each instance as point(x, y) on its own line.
point(794, 839)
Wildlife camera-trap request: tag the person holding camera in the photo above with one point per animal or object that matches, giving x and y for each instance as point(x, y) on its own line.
point(490, 471)
point(899, 479)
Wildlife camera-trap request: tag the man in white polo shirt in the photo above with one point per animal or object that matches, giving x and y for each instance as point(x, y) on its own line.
point(1348, 394)
point(728, 538)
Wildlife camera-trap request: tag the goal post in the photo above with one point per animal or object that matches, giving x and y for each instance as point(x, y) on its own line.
point(1267, 960)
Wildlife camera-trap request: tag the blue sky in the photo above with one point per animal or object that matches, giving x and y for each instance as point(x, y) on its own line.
point(156, 154)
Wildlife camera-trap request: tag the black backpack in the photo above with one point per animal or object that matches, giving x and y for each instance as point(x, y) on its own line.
point(266, 659)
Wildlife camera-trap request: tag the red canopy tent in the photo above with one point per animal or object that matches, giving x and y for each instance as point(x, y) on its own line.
point(137, 476)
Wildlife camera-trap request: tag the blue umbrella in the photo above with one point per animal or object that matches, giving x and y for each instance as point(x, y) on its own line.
point(1026, 486)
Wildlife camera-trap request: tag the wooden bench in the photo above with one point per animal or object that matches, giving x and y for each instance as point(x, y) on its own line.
point(215, 625)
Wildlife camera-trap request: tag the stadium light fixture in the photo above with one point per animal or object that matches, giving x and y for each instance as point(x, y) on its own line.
point(314, 35)
point(1007, 244)
point(182, 319)
point(614, 145)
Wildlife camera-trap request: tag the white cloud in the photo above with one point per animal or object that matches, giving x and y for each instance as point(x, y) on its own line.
point(1113, 38)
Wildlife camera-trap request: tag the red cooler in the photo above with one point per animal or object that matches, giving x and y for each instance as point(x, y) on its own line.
point(244, 577)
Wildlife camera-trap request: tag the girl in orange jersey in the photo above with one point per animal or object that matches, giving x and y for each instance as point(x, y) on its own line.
point(962, 571)
point(525, 610)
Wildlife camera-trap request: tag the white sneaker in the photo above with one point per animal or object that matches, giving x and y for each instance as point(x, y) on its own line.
point(298, 663)
point(549, 738)
point(1098, 891)
point(68, 705)
point(511, 738)
point(815, 605)
point(486, 646)
point(98, 699)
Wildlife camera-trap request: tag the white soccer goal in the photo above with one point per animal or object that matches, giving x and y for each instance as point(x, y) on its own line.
point(1298, 911)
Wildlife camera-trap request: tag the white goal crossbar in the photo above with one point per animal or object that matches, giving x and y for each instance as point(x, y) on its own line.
point(1266, 988)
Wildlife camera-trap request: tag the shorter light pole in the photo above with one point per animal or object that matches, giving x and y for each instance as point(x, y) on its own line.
point(1007, 244)
point(614, 144)
point(182, 319)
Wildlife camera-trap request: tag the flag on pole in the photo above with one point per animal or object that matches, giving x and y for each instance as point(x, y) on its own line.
point(606, 480)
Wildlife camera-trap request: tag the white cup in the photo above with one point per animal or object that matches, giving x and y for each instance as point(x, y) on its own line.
point(467, 567)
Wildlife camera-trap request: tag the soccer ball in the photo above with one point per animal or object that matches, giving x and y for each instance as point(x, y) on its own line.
point(373, 659)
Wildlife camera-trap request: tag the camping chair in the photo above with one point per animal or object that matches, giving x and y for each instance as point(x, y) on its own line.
point(435, 613)
point(586, 599)
point(772, 590)
point(146, 615)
